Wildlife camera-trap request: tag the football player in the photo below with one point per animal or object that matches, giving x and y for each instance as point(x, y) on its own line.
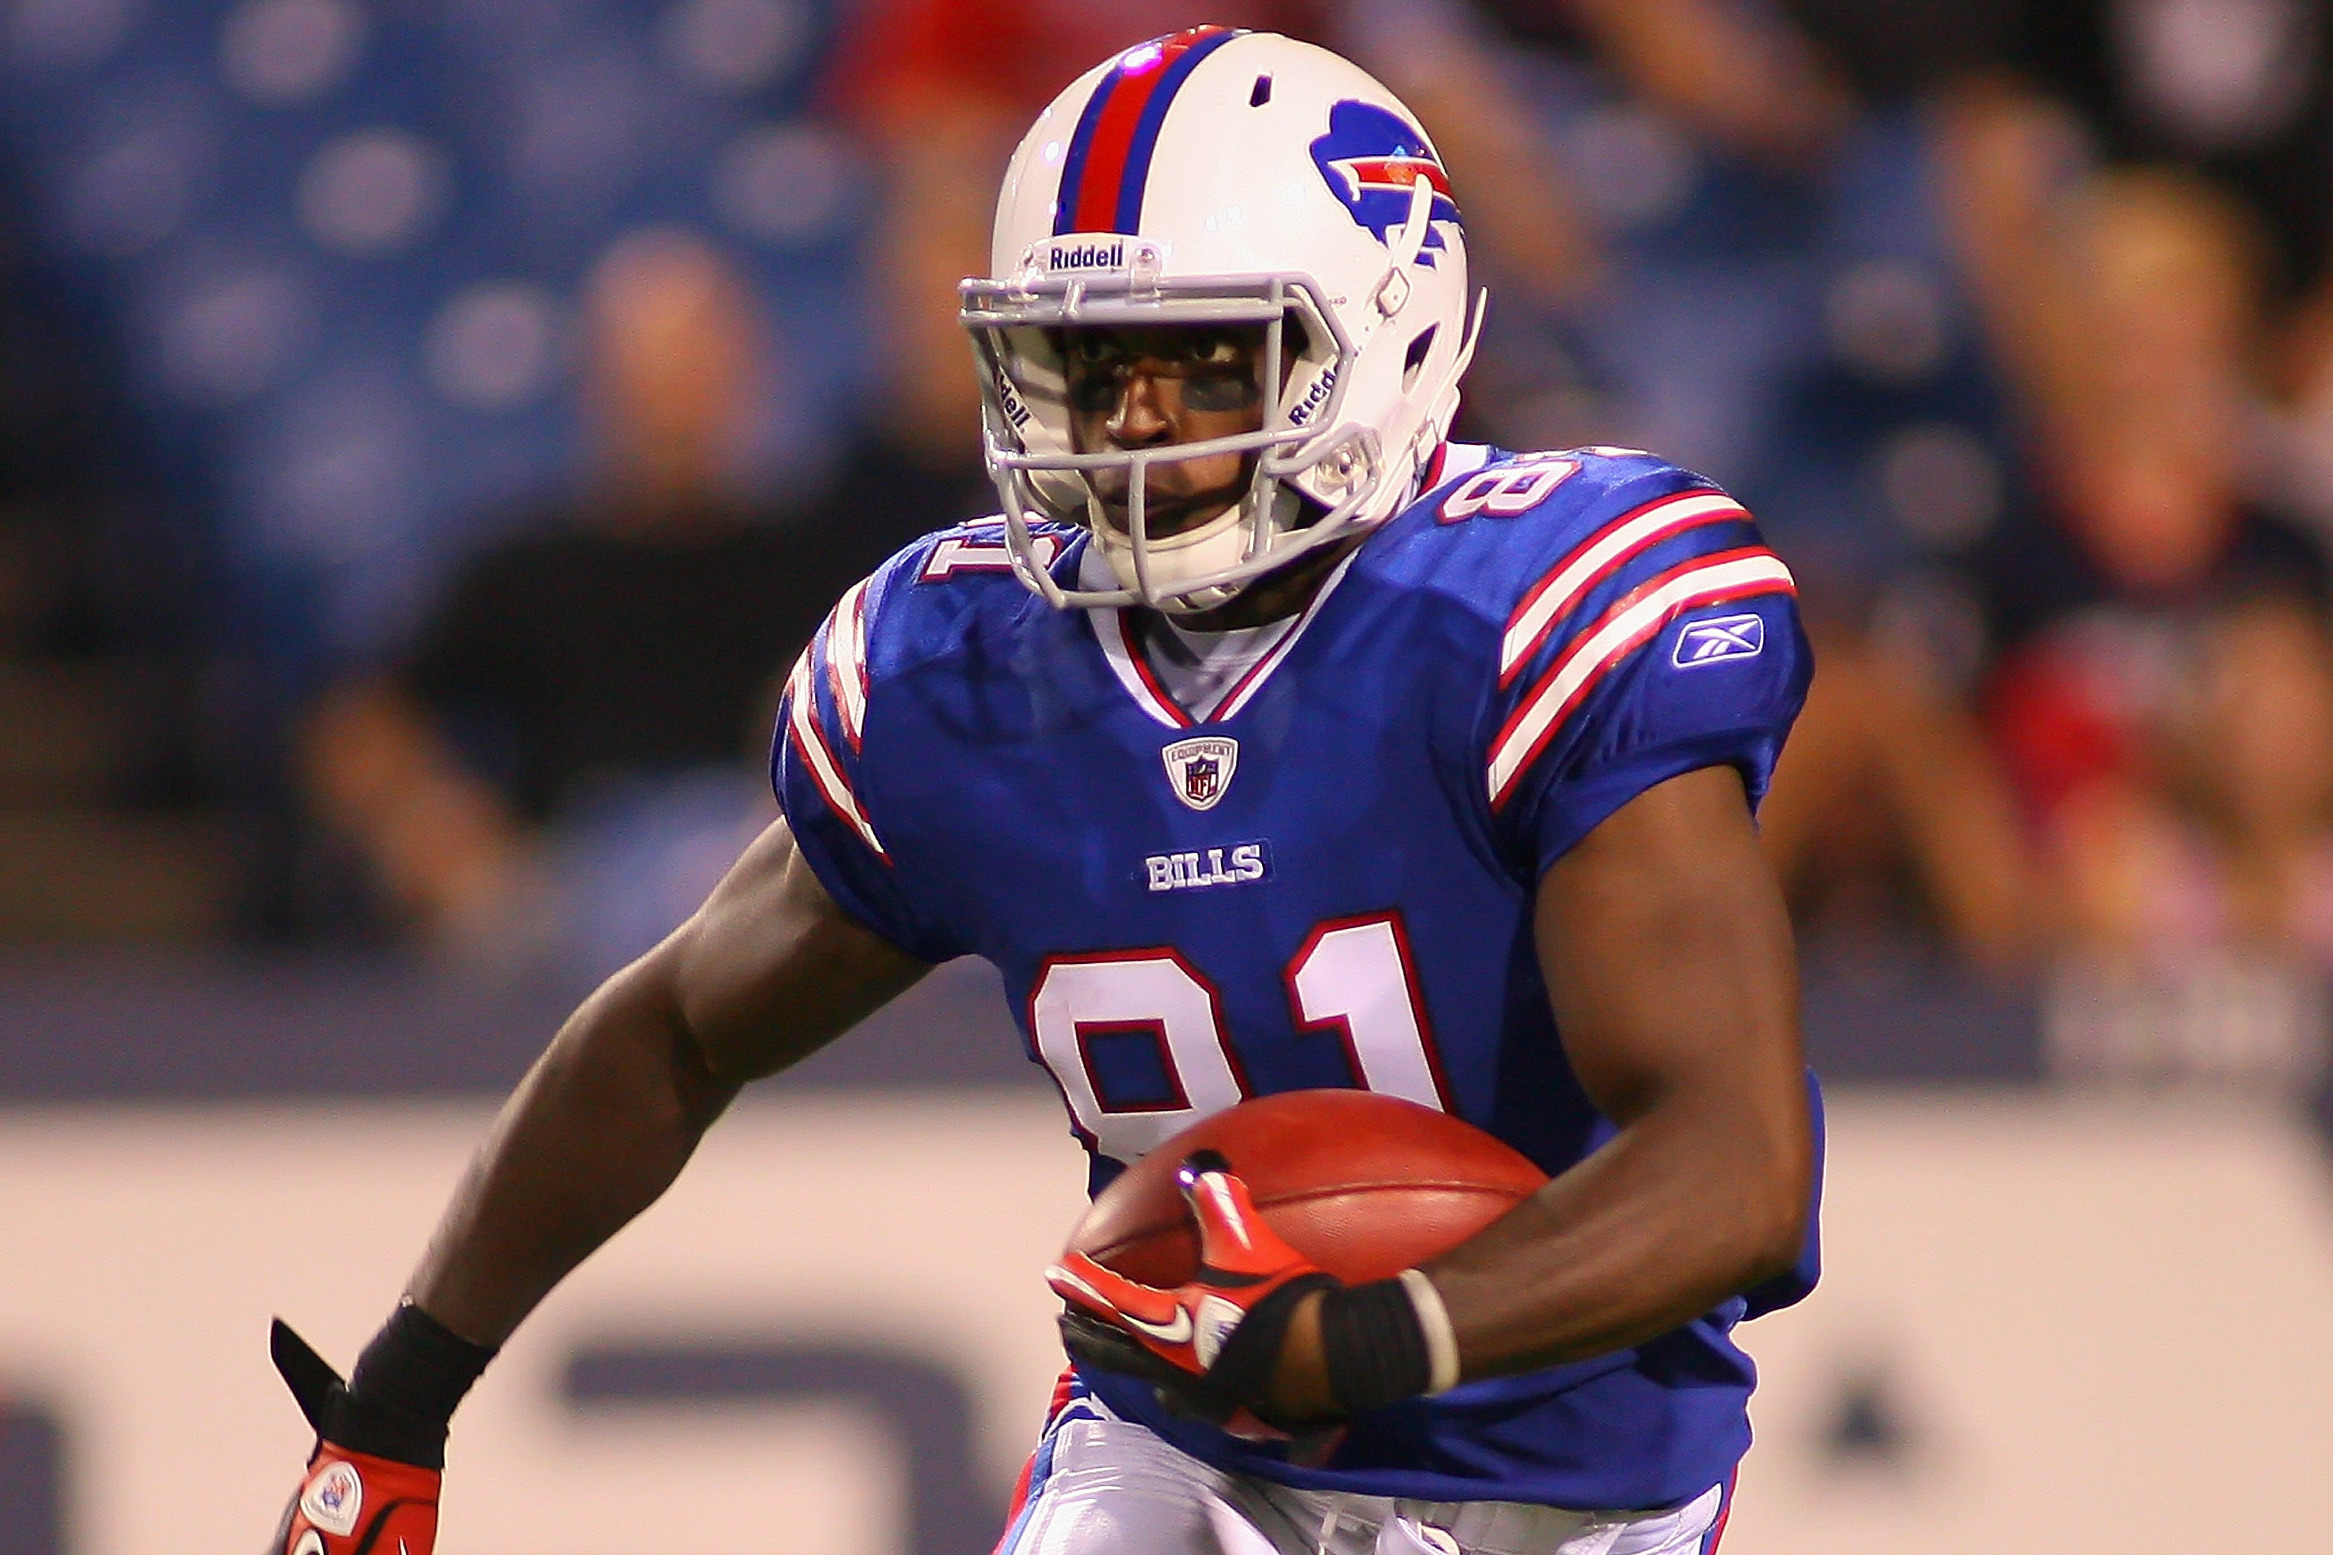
point(1267, 740)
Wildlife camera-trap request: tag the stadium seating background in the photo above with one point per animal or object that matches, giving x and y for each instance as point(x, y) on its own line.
point(336, 249)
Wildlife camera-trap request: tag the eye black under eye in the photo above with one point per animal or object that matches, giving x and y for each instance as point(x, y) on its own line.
point(1217, 391)
point(1093, 391)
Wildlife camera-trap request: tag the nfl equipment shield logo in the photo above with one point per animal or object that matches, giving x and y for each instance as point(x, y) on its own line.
point(334, 1498)
point(1200, 769)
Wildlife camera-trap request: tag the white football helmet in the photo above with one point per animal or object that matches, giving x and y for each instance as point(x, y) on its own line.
point(1215, 177)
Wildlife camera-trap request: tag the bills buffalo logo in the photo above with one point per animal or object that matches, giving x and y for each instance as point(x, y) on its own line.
point(1372, 159)
point(1200, 769)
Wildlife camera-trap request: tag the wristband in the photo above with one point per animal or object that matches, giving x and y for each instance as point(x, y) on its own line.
point(1386, 1341)
point(1441, 1336)
point(404, 1389)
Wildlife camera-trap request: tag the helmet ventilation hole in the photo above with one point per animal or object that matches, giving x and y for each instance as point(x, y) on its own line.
point(1415, 358)
point(1262, 93)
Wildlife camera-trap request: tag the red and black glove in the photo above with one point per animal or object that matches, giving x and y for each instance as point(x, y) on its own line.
point(371, 1486)
point(355, 1504)
point(1211, 1346)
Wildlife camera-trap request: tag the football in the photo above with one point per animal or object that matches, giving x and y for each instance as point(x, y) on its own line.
point(1364, 1185)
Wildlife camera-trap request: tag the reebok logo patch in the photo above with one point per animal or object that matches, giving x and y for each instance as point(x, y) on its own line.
point(1715, 642)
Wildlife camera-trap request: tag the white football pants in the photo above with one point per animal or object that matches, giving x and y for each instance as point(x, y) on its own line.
point(1099, 1485)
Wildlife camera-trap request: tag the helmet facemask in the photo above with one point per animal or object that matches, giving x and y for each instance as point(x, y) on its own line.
point(1302, 487)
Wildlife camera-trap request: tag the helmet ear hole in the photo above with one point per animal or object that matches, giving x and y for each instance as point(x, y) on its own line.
point(1415, 357)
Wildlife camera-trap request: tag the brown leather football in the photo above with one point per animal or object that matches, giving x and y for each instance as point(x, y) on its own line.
point(1364, 1185)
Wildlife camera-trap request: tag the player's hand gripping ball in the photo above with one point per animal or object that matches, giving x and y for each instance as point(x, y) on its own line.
point(349, 1503)
point(1188, 1267)
point(1210, 1344)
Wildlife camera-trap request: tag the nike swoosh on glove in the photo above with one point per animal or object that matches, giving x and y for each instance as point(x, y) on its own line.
point(350, 1502)
point(1210, 1346)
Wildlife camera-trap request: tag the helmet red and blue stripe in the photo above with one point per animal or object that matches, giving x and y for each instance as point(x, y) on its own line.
point(1108, 163)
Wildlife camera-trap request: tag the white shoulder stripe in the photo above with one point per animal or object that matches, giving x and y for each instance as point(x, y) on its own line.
point(810, 740)
point(1553, 598)
point(846, 660)
point(1705, 580)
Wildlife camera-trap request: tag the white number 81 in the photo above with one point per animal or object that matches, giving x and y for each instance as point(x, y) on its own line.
point(1353, 977)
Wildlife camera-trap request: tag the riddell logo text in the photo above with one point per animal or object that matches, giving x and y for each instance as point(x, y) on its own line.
point(1085, 256)
point(1008, 395)
point(1314, 398)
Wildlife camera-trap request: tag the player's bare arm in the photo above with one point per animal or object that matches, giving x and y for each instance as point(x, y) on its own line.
point(766, 972)
point(1668, 957)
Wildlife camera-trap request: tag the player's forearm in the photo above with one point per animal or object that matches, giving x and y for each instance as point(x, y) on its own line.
point(1676, 1213)
point(761, 975)
point(1669, 963)
point(1687, 1206)
point(595, 1133)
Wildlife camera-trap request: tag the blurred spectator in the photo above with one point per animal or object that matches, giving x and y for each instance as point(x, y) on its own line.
point(2153, 305)
point(2165, 701)
point(2217, 828)
point(2198, 879)
point(2241, 92)
point(1889, 820)
point(565, 737)
point(2241, 95)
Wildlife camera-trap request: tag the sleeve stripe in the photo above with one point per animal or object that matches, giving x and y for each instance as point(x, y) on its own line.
point(1705, 580)
point(846, 660)
point(1552, 597)
point(833, 787)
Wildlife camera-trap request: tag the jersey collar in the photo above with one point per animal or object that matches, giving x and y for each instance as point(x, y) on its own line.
point(1118, 632)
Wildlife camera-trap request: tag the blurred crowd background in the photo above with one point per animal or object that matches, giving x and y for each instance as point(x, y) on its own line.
point(428, 429)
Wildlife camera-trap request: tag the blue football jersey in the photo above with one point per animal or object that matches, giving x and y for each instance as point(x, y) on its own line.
point(1328, 879)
